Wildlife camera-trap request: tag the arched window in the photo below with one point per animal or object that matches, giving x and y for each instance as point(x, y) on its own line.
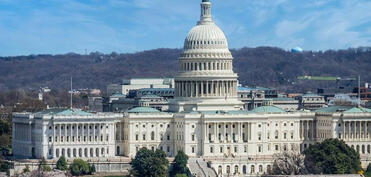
point(236, 169)
point(368, 149)
point(220, 170)
point(363, 149)
point(260, 168)
point(118, 150)
point(252, 169)
point(153, 136)
point(244, 169)
point(269, 169)
point(228, 169)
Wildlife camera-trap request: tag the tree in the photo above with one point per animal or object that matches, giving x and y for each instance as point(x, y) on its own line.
point(288, 163)
point(79, 167)
point(92, 169)
point(367, 172)
point(180, 164)
point(43, 166)
point(26, 169)
point(332, 156)
point(62, 164)
point(149, 163)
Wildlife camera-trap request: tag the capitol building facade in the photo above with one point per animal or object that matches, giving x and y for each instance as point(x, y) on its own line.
point(206, 120)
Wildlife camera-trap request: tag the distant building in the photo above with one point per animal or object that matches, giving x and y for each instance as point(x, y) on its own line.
point(365, 92)
point(95, 104)
point(287, 104)
point(157, 98)
point(251, 97)
point(310, 101)
point(139, 83)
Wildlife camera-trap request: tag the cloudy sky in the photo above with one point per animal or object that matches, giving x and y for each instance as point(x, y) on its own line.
point(62, 26)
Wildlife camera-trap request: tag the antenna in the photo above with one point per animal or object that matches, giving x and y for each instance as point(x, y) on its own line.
point(71, 92)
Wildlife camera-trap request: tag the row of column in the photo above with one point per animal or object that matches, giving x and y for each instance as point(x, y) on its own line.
point(77, 133)
point(307, 130)
point(223, 65)
point(242, 131)
point(355, 130)
point(205, 88)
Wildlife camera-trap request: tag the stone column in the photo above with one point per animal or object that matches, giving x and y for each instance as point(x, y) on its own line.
point(196, 84)
point(215, 134)
point(202, 88)
point(343, 131)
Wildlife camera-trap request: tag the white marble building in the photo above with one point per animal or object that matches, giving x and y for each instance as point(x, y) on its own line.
point(205, 120)
point(64, 132)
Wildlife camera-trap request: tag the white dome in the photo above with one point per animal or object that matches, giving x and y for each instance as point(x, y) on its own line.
point(205, 36)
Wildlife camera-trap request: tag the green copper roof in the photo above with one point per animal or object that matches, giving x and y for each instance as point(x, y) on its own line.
point(345, 109)
point(64, 112)
point(118, 95)
point(143, 110)
point(267, 109)
point(357, 110)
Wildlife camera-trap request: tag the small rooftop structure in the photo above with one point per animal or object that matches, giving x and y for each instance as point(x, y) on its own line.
point(143, 110)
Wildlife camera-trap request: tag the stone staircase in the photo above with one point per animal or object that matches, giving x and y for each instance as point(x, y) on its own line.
point(199, 168)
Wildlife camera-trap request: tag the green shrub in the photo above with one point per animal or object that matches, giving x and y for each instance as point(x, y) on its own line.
point(79, 167)
point(26, 169)
point(62, 164)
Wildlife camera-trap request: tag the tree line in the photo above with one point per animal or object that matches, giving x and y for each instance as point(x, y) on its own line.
point(263, 66)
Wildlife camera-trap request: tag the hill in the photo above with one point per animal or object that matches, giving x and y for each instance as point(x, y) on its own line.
point(263, 66)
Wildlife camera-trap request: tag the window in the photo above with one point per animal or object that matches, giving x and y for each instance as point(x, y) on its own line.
point(50, 127)
point(245, 149)
point(284, 135)
point(144, 136)
point(168, 137)
point(193, 149)
point(235, 149)
point(292, 124)
point(50, 139)
point(260, 148)
point(153, 136)
point(276, 147)
point(284, 124)
point(292, 135)
point(221, 149)
point(193, 137)
point(168, 148)
point(211, 150)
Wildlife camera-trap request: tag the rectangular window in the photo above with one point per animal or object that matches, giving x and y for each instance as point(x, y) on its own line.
point(221, 149)
point(50, 139)
point(211, 150)
point(168, 148)
point(235, 149)
point(193, 149)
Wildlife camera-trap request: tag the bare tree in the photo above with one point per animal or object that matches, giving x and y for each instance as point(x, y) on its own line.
point(289, 163)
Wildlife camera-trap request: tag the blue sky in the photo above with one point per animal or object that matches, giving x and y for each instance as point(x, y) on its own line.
point(62, 26)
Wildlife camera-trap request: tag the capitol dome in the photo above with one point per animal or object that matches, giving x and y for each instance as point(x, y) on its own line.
point(205, 36)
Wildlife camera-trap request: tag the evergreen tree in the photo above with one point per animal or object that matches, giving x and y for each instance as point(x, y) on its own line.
point(180, 164)
point(149, 163)
point(62, 164)
point(79, 167)
point(43, 166)
point(332, 156)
